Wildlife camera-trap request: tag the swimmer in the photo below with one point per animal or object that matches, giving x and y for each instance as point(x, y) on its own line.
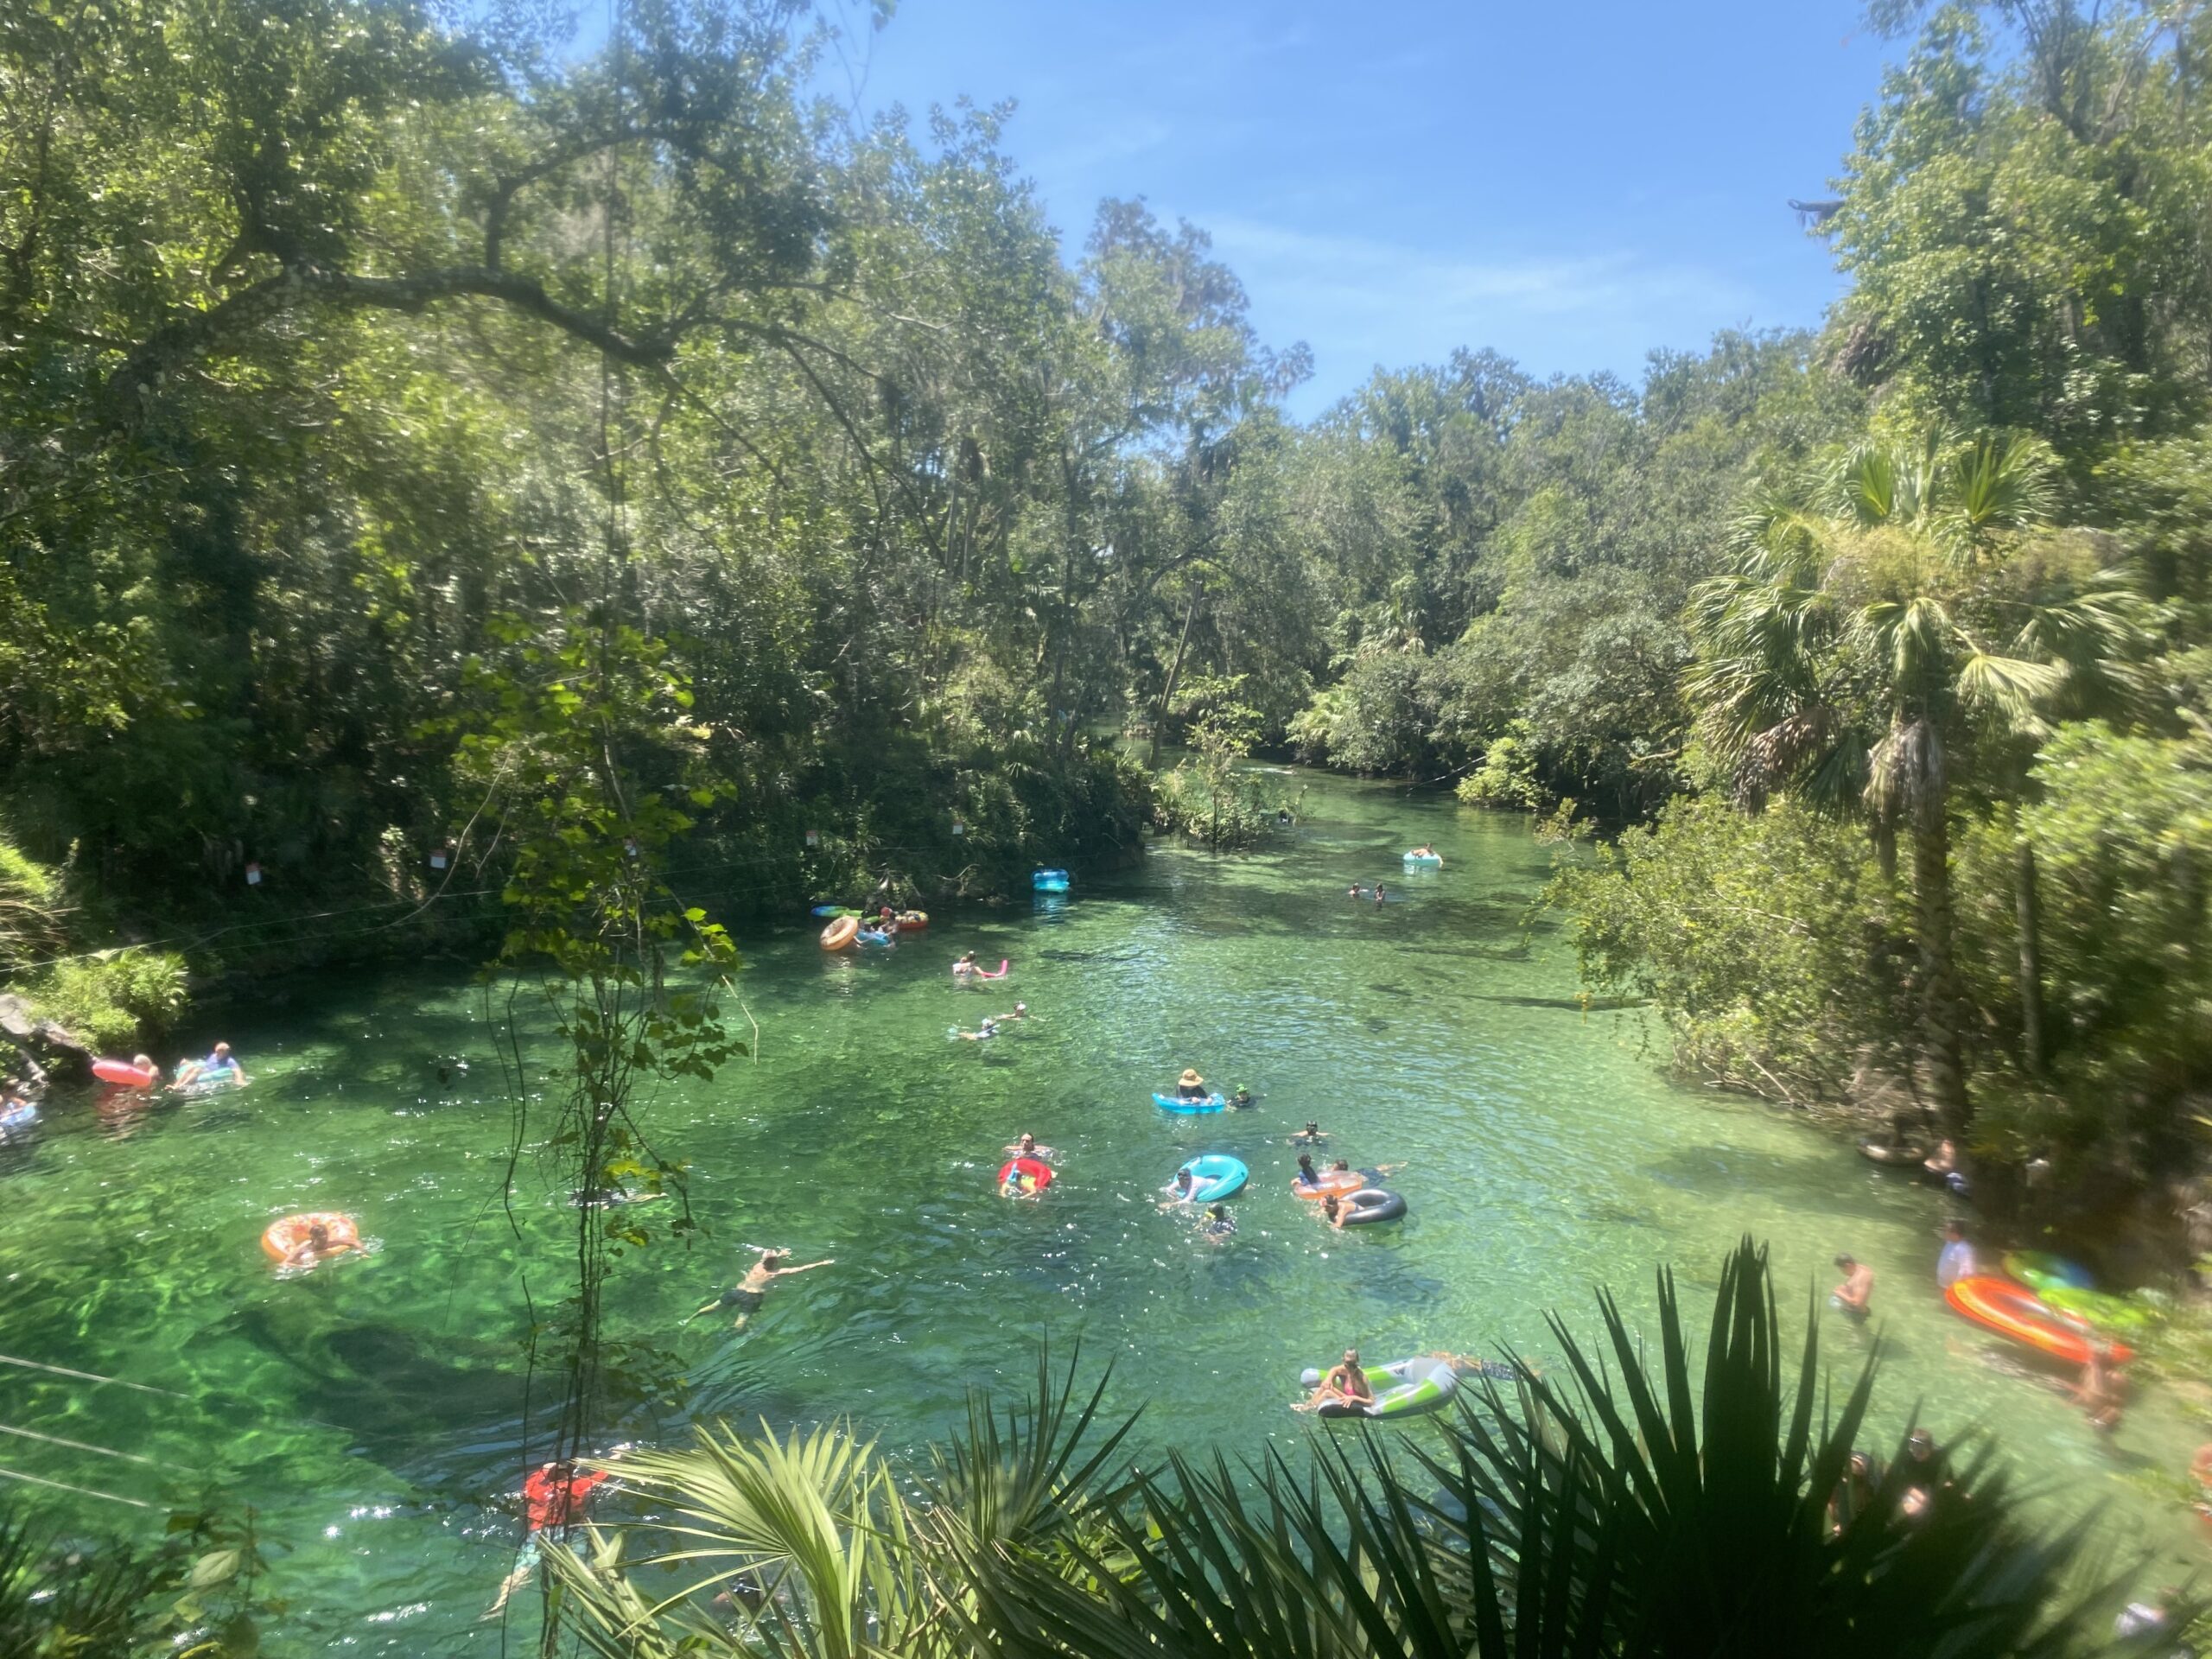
point(1354, 891)
point(982, 1033)
point(552, 1498)
point(1335, 1212)
point(1857, 1288)
point(312, 1249)
point(1241, 1099)
point(1021, 1011)
point(218, 1067)
point(1219, 1223)
point(1190, 1086)
point(2102, 1391)
point(1378, 894)
point(1307, 1176)
point(1311, 1135)
point(1346, 1384)
point(749, 1292)
point(965, 968)
point(1180, 1190)
point(1027, 1147)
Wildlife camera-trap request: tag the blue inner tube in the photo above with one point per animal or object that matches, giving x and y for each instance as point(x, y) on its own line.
point(1172, 1104)
point(869, 936)
point(1050, 880)
point(22, 1115)
point(1215, 1175)
point(1370, 1205)
point(1424, 860)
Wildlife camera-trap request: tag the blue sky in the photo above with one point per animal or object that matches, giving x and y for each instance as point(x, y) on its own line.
point(1571, 184)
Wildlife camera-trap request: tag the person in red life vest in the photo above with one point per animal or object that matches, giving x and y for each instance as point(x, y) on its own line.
point(552, 1500)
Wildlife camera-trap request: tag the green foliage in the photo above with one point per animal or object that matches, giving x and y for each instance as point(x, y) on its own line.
point(1770, 945)
point(1507, 777)
point(115, 1000)
point(197, 1592)
point(2121, 828)
point(1631, 1507)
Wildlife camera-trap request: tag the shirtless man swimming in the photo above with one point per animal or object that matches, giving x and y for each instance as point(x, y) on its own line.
point(749, 1292)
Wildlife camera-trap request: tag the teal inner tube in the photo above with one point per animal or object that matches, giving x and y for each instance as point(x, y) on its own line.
point(872, 936)
point(1370, 1205)
point(1404, 1388)
point(1424, 860)
point(1050, 880)
point(1215, 1175)
point(1174, 1103)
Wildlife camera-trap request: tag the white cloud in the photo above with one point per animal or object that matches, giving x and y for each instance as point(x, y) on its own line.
point(1362, 301)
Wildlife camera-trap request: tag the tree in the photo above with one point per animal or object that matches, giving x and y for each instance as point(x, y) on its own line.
point(1858, 643)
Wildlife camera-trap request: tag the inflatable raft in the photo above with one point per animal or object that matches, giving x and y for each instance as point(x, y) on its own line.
point(1215, 1175)
point(1404, 1388)
point(1049, 880)
point(1370, 1205)
point(2042, 1272)
point(1424, 860)
point(838, 935)
point(2014, 1310)
point(124, 1075)
point(1340, 1182)
point(1038, 1174)
point(1188, 1108)
point(285, 1237)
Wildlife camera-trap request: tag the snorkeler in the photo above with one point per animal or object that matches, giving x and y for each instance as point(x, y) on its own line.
point(749, 1292)
point(1311, 1135)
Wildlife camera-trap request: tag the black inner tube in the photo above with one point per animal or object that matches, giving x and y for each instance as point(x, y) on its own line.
point(1370, 1205)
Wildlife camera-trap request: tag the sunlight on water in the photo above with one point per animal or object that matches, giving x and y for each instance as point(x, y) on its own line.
point(371, 1411)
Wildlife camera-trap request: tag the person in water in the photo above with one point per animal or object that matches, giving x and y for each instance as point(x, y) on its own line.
point(983, 1033)
point(1354, 891)
point(1021, 1011)
point(1956, 1263)
point(1190, 1086)
point(1378, 894)
point(965, 968)
point(1241, 1099)
point(1307, 1176)
point(1180, 1189)
point(311, 1249)
point(1346, 1382)
point(1311, 1135)
point(1424, 850)
point(2102, 1391)
point(1219, 1223)
point(1027, 1147)
point(749, 1292)
point(553, 1498)
point(1943, 1162)
point(219, 1066)
point(1857, 1289)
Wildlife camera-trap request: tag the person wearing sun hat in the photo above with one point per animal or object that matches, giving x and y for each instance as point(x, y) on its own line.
point(1190, 1086)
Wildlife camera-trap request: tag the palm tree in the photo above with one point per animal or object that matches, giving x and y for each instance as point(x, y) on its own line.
point(1861, 637)
point(1618, 1510)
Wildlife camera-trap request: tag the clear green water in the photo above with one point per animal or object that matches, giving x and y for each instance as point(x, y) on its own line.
point(371, 1411)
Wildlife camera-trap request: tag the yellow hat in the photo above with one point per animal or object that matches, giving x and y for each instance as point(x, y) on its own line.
point(1190, 1076)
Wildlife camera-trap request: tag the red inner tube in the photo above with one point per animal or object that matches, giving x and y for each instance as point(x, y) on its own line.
point(2017, 1311)
point(1039, 1172)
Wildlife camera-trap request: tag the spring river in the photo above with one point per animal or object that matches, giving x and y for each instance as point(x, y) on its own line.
point(372, 1411)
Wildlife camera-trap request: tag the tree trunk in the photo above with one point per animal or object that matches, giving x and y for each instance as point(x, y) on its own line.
point(1174, 673)
point(2028, 914)
point(1941, 1055)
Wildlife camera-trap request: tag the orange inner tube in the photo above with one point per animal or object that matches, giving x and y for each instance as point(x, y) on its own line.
point(2017, 1311)
point(914, 921)
point(839, 933)
point(287, 1236)
point(1338, 1181)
